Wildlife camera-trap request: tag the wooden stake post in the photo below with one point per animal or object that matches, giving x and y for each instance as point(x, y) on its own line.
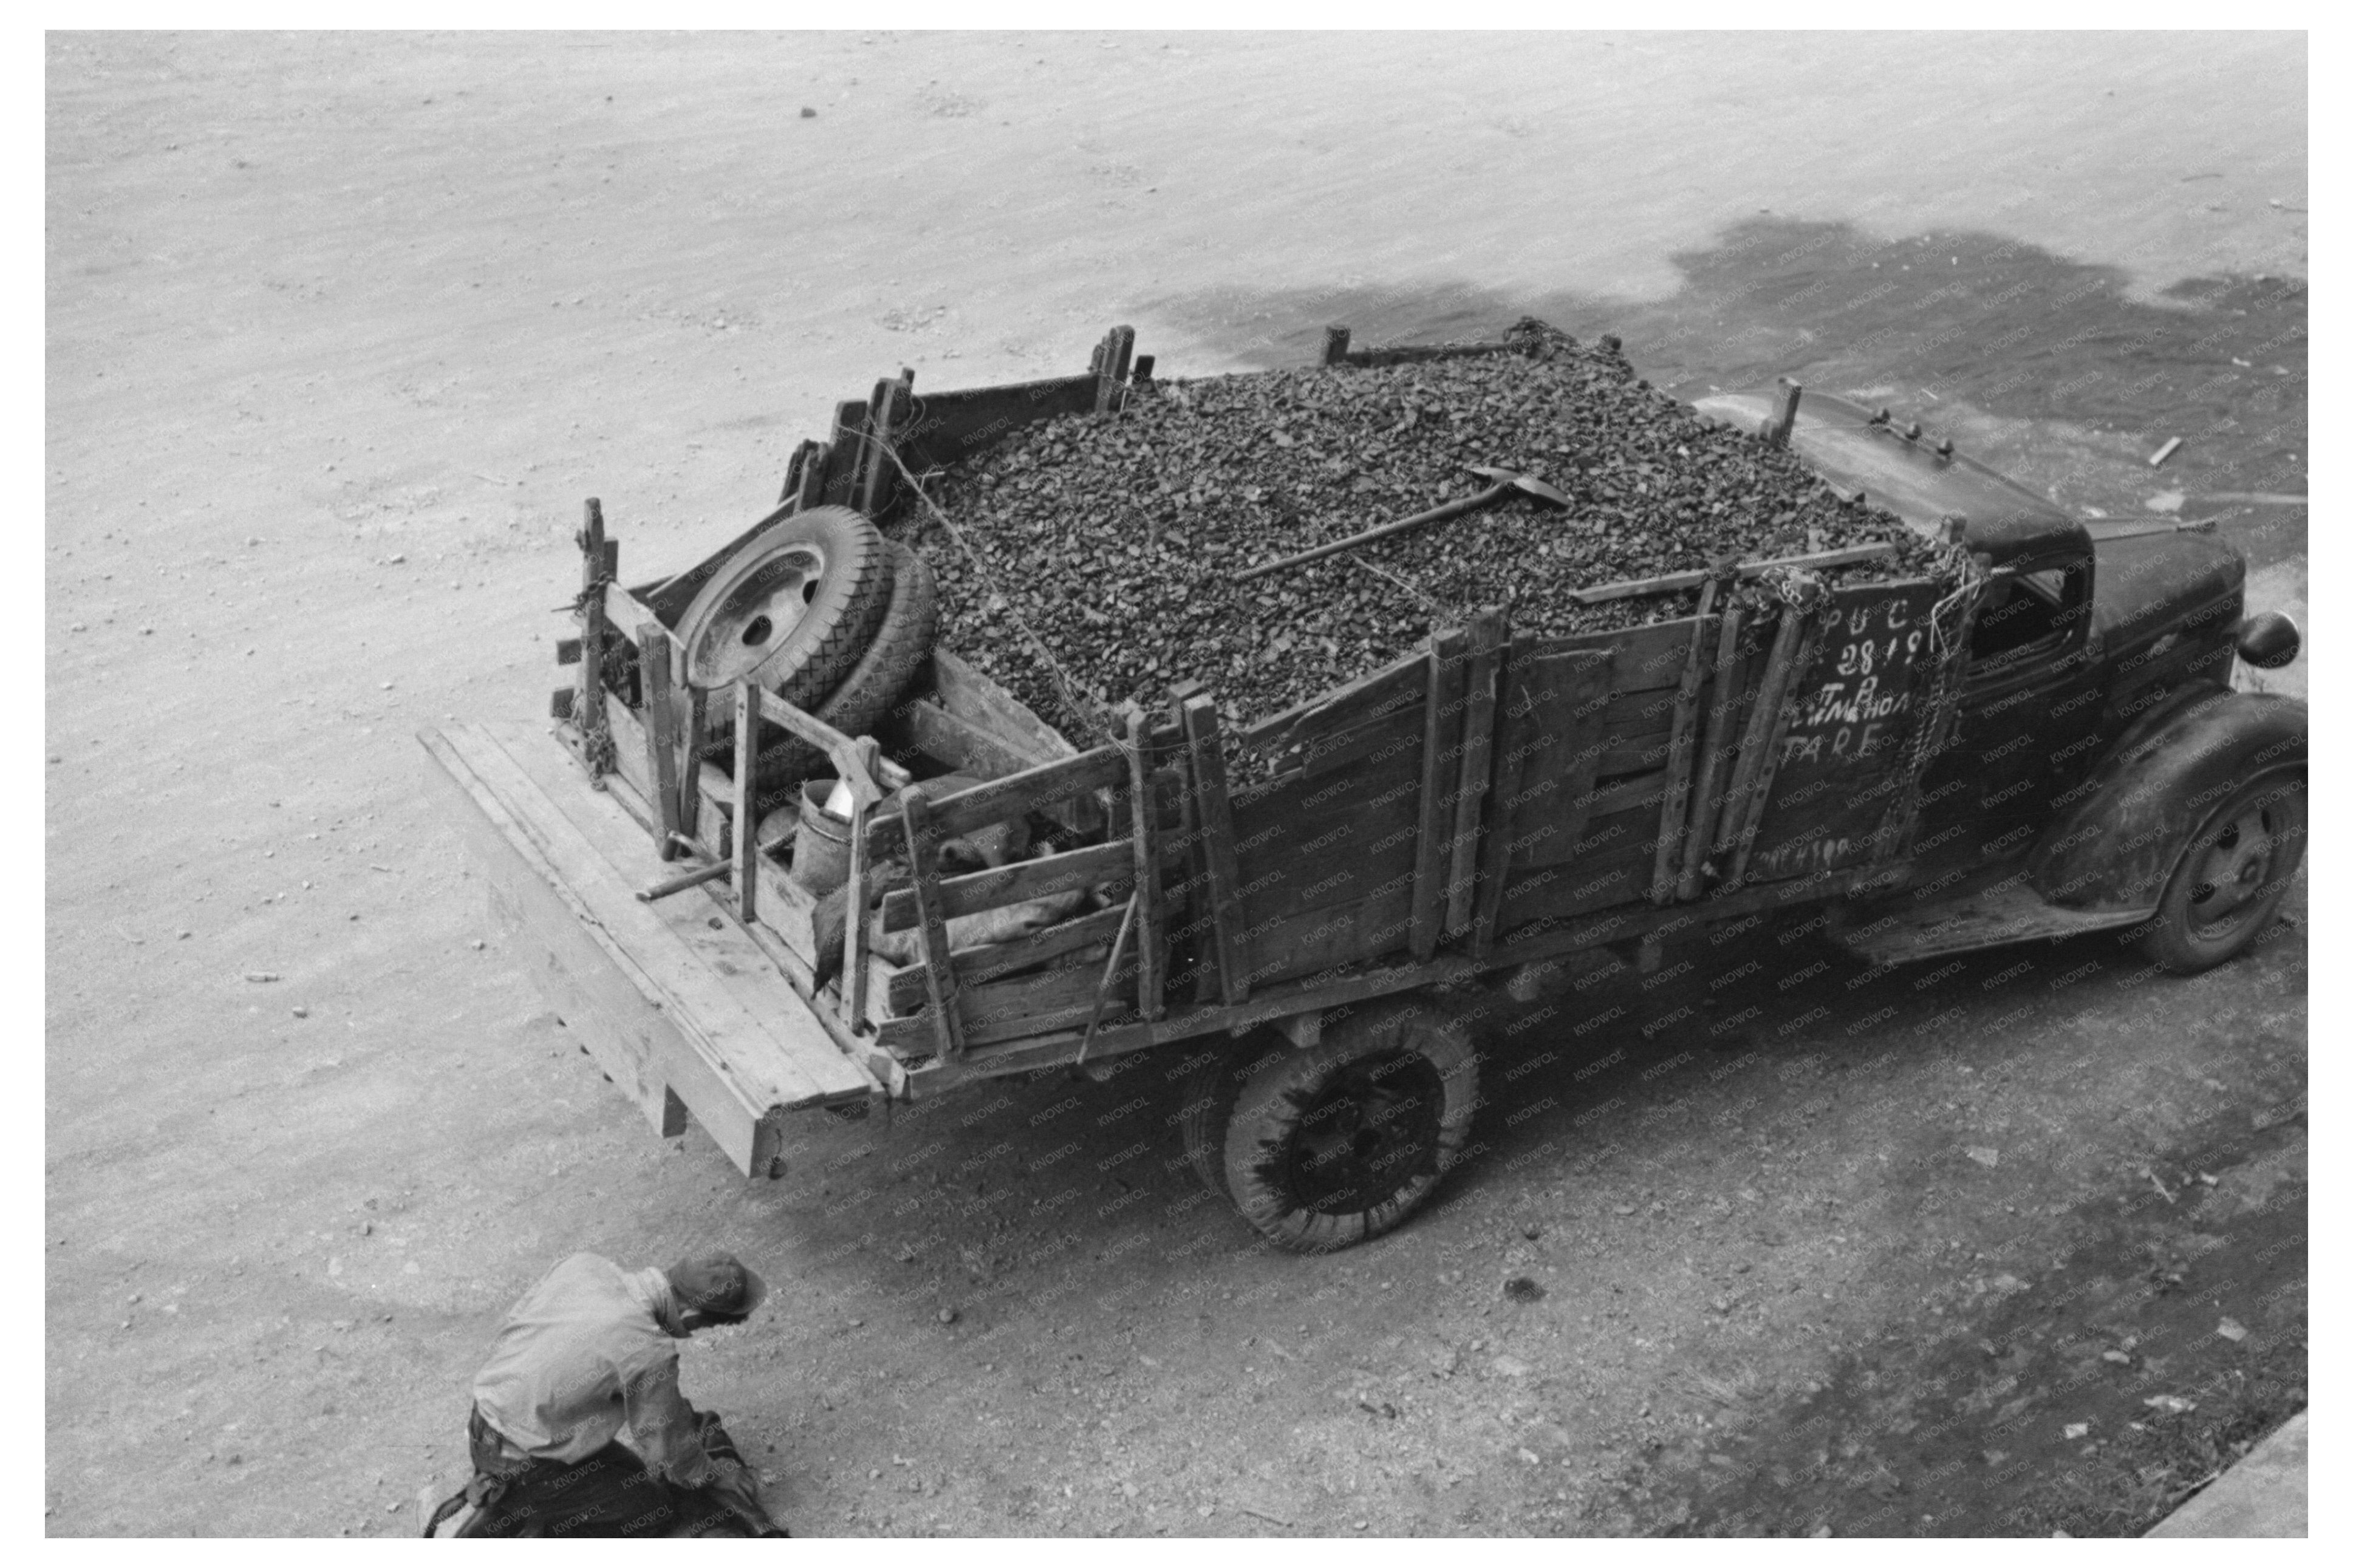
point(1230, 941)
point(1441, 771)
point(592, 635)
point(1489, 633)
point(661, 750)
point(747, 807)
point(931, 921)
point(1144, 816)
point(1675, 802)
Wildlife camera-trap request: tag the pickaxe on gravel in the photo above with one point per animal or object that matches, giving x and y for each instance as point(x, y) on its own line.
point(1505, 483)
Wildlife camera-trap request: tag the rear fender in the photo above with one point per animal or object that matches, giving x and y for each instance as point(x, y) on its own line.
point(2115, 848)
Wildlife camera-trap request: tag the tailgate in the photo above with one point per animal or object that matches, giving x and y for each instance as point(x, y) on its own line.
point(683, 1016)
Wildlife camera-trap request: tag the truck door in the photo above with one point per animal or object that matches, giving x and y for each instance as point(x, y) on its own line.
point(2029, 708)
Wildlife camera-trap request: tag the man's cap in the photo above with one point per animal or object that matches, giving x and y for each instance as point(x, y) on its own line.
point(717, 1285)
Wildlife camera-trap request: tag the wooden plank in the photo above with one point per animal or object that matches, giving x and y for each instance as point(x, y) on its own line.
point(810, 492)
point(747, 805)
point(1647, 659)
point(661, 750)
point(1549, 700)
point(1021, 1015)
point(853, 925)
point(931, 920)
point(1763, 714)
point(1374, 744)
point(1447, 676)
point(1502, 817)
point(1624, 921)
point(1117, 353)
point(1678, 582)
point(965, 747)
point(626, 616)
point(1647, 714)
point(839, 748)
point(630, 757)
point(980, 701)
point(1000, 799)
point(1641, 792)
point(1053, 987)
point(1151, 903)
point(796, 471)
point(592, 631)
point(1416, 355)
point(1368, 696)
point(777, 1001)
point(1729, 673)
point(972, 697)
point(1099, 864)
point(690, 791)
point(845, 452)
point(877, 476)
point(1313, 941)
point(1489, 633)
point(1214, 813)
point(1784, 704)
point(951, 426)
point(995, 961)
point(688, 1025)
point(1349, 855)
point(1336, 346)
point(1674, 810)
point(1646, 755)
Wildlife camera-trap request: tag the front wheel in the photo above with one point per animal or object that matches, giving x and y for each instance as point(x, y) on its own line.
point(1338, 1143)
point(2230, 880)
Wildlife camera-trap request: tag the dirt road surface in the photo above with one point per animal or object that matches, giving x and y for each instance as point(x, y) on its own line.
point(342, 329)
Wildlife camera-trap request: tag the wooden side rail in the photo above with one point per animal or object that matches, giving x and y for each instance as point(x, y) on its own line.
point(1000, 800)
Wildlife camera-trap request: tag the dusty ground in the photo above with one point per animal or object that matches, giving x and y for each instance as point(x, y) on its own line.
point(340, 331)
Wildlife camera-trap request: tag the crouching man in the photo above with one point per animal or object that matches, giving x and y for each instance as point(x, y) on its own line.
point(587, 1357)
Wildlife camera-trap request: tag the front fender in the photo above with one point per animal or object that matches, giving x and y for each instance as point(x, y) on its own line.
point(2115, 848)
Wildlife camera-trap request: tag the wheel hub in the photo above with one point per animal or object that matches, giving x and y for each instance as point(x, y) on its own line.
point(1370, 1130)
point(2235, 868)
point(754, 616)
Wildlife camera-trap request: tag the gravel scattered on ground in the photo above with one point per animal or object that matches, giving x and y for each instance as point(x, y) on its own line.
point(1115, 542)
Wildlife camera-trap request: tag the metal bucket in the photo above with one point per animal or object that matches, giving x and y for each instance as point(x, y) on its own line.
point(821, 848)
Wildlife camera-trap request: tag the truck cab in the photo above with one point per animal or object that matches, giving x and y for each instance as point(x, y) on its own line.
point(2097, 737)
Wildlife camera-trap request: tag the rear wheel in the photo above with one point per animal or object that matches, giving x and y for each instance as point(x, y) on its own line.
point(1212, 1083)
point(1338, 1143)
point(2229, 882)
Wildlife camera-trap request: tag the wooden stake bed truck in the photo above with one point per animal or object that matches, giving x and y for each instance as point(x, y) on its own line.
point(2043, 742)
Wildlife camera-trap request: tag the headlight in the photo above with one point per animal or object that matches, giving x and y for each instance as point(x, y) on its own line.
point(2269, 641)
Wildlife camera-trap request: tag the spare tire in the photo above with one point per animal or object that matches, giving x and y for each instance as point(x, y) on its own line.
point(794, 609)
point(887, 667)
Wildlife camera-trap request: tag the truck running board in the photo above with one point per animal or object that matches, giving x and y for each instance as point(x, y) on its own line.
point(2007, 912)
point(684, 1013)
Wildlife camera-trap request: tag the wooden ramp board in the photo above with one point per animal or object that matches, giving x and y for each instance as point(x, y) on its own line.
point(682, 1017)
point(2008, 912)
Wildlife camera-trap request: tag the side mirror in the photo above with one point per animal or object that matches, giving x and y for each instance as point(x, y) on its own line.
point(2269, 641)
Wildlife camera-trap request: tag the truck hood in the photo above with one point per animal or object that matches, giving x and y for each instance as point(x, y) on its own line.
point(1847, 446)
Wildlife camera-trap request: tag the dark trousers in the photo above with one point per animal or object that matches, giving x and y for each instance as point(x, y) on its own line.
point(609, 1493)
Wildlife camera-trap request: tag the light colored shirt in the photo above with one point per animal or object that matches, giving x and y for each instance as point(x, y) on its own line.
point(588, 1352)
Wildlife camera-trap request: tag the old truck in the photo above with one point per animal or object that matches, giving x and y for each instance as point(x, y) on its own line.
point(2041, 740)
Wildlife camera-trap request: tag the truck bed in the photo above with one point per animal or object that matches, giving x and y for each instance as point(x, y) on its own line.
point(684, 1011)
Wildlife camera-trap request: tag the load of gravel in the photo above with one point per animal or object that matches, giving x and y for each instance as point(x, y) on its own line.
point(1091, 559)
